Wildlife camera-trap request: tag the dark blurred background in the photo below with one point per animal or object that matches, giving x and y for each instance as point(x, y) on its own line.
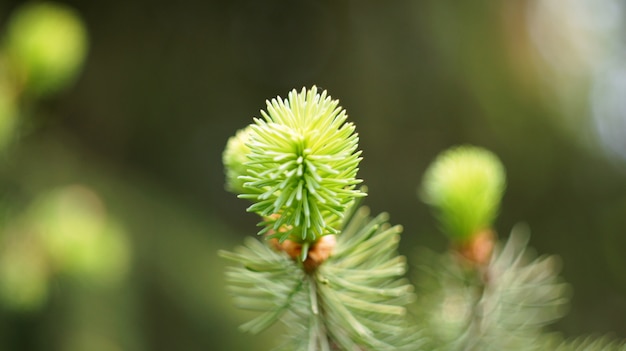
point(542, 84)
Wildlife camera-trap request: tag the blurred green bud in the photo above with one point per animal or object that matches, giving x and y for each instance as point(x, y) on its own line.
point(79, 237)
point(23, 272)
point(464, 185)
point(47, 44)
point(302, 165)
point(234, 158)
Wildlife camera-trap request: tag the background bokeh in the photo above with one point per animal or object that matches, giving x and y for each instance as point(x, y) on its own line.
point(136, 144)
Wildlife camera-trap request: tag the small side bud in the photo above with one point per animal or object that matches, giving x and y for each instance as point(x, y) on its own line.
point(234, 159)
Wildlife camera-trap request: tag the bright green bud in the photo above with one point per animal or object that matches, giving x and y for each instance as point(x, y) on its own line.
point(302, 166)
point(464, 185)
point(234, 158)
point(47, 44)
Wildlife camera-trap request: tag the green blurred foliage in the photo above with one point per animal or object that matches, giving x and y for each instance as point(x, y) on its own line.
point(7, 113)
point(165, 84)
point(45, 45)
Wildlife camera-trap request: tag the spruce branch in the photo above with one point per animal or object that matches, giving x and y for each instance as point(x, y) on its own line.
point(361, 283)
point(355, 300)
point(504, 307)
point(482, 295)
point(263, 280)
point(332, 274)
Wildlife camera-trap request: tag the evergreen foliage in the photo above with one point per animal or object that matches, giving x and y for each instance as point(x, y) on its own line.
point(332, 274)
point(354, 301)
point(503, 306)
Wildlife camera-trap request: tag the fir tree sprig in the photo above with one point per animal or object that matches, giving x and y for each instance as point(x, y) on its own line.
point(482, 294)
point(348, 291)
point(505, 308)
point(355, 300)
point(298, 166)
point(363, 279)
point(264, 280)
